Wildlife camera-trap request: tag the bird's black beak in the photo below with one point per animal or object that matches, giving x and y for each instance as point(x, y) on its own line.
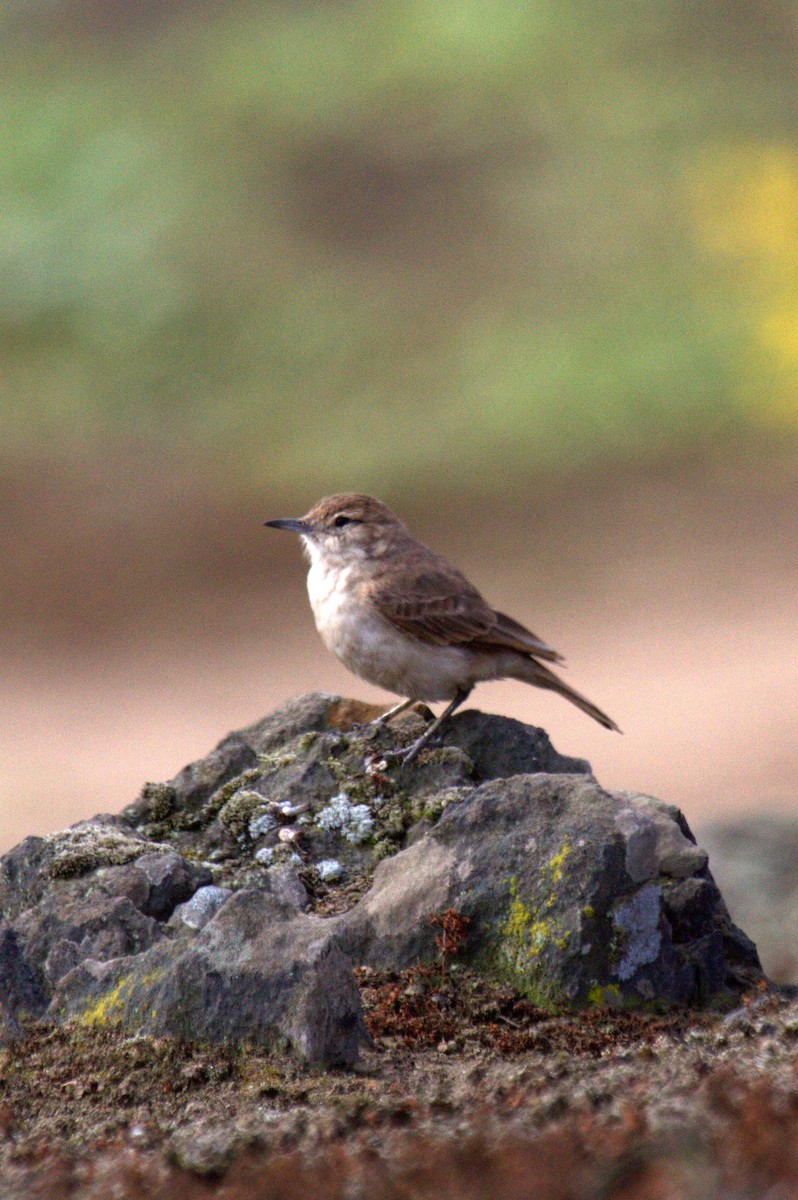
point(294, 524)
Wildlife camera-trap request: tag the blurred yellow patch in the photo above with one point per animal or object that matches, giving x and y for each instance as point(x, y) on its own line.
point(744, 206)
point(777, 396)
point(745, 203)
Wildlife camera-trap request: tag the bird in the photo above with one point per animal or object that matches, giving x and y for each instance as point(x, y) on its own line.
point(400, 616)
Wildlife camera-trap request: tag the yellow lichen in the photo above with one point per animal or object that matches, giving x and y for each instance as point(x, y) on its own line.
point(606, 996)
point(556, 862)
point(107, 1010)
point(528, 929)
point(524, 931)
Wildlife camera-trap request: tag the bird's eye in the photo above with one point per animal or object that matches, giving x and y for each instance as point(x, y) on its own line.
point(340, 521)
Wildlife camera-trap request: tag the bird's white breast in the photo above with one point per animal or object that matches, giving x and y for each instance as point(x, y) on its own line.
point(372, 648)
point(330, 592)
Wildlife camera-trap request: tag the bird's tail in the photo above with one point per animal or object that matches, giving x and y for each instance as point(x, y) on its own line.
point(531, 671)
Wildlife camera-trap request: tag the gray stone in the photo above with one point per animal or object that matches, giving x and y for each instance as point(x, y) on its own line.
point(10, 1028)
point(285, 885)
point(194, 786)
point(500, 747)
point(639, 921)
point(171, 880)
point(300, 782)
point(62, 956)
point(66, 927)
point(195, 913)
point(205, 1150)
point(574, 895)
point(232, 807)
point(655, 842)
point(21, 993)
point(127, 881)
point(315, 712)
point(258, 972)
point(39, 865)
point(23, 877)
point(155, 882)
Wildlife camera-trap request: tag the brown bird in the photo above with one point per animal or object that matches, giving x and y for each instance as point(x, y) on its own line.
point(399, 615)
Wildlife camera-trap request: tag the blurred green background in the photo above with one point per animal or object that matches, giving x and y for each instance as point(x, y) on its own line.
point(427, 236)
point(528, 271)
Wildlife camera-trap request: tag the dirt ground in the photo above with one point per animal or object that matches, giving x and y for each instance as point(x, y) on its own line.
point(144, 614)
point(466, 1094)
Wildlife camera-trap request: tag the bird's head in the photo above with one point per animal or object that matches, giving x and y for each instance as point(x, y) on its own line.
point(345, 529)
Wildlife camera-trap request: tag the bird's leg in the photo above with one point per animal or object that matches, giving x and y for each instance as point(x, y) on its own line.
point(383, 718)
point(407, 756)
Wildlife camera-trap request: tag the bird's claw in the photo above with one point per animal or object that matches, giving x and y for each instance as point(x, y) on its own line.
point(403, 757)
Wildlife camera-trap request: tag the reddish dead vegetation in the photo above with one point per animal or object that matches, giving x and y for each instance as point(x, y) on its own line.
point(752, 1153)
point(415, 1009)
point(444, 1005)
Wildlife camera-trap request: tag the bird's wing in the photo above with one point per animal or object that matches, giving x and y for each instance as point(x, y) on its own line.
point(441, 607)
point(514, 635)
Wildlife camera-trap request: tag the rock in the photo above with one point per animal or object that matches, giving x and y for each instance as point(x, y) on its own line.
point(570, 894)
point(189, 791)
point(201, 908)
point(156, 882)
point(20, 992)
point(314, 712)
point(284, 884)
point(574, 895)
point(755, 861)
point(29, 870)
point(10, 1028)
point(65, 928)
point(257, 972)
point(657, 838)
point(500, 747)
point(204, 1150)
point(76, 895)
point(269, 794)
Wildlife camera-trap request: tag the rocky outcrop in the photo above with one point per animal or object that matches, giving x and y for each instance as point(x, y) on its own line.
point(234, 901)
point(573, 895)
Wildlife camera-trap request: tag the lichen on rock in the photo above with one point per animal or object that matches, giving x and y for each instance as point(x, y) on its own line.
point(354, 822)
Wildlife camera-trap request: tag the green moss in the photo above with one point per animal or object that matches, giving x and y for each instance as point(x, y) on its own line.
point(275, 761)
point(359, 787)
point(161, 800)
point(79, 851)
point(238, 811)
point(306, 740)
point(222, 794)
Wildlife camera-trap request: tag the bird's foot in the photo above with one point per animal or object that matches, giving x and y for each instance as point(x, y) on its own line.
point(403, 757)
